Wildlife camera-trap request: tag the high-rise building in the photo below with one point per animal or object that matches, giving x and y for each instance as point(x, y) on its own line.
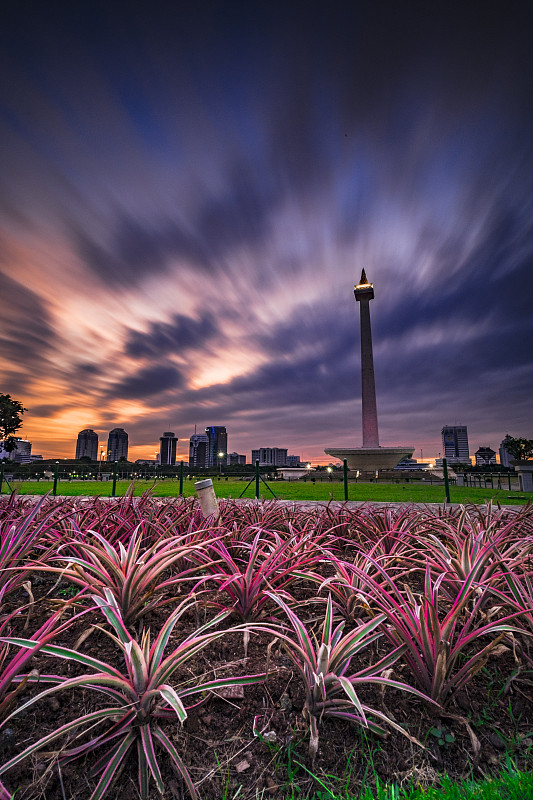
point(117, 445)
point(270, 456)
point(293, 461)
point(21, 454)
point(218, 443)
point(505, 456)
point(199, 451)
point(485, 456)
point(87, 444)
point(167, 448)
point(455, 444)
point(236, 459)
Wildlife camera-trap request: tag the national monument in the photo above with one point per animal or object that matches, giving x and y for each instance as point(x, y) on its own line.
point(370, 456)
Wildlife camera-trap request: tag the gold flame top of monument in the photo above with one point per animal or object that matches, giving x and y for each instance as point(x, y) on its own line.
point(363, 283)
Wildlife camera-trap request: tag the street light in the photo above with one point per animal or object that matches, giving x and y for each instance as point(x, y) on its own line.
point(220, 456)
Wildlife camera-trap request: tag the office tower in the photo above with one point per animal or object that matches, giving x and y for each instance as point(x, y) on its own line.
point(270, 456)
point(87, 444)
point(293, 461)
point(505, 456)
point(21, 454)
point(485, 456)
point(455, 444)
point(167, 448)
point(218, 443)
point(198, 451)
point(117, 445)
point(236, 459)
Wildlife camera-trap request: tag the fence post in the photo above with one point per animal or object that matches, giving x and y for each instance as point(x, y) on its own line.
point(1, 476)
point(181, 478)
point(56, 474)
point(509, 479)
point(446, 481)
point(114, 490)
point(257, 479)
point(345, 471)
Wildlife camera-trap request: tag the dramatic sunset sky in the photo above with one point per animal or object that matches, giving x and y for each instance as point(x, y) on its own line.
point(188, 196)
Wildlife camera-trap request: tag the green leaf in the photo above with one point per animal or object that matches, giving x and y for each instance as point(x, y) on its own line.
point(175, 758)
point(172, 698)
point(148, 747)
point(95, 716)
point(110, 770)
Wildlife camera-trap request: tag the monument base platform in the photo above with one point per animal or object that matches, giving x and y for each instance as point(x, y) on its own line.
point(367, 459)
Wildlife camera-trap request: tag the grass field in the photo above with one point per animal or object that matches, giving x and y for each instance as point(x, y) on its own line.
point(285, 490)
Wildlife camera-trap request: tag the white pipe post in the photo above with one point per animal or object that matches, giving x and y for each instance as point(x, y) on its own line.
point(207, 498)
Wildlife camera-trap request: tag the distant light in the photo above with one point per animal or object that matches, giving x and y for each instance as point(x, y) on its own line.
point(221, 455)
point(329, 469)
point(308, 466)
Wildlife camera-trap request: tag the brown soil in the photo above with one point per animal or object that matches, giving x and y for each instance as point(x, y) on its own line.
point(226, 759)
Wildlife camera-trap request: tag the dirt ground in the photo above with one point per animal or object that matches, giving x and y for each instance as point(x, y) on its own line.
point(255, 744)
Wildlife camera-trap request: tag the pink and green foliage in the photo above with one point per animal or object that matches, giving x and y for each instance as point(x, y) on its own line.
point(324, 667)
point(429, 584)
point(391, 525)
point(465, 548)
point(140, 697)
point(518, 594)
point(138, 580)
point(435, 631)
point(346, 586)
point(246, 572)
point(19, 538)
point(117, 520)
point(49, 631)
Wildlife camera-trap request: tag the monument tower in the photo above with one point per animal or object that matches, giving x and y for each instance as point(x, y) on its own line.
point(364, 293)
point(370, 456)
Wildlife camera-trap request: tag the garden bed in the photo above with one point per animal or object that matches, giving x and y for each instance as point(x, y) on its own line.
point(254, 740)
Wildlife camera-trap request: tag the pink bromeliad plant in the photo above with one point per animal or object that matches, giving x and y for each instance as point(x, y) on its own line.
point(518, 594)
point(465, 548)
point(325, 668)
point(137, 578)
point(441, 636)
point(139, 697)
point(20, 535)
point(346, 586)
point(12, 665)
point(390, 525)
point(247, 575)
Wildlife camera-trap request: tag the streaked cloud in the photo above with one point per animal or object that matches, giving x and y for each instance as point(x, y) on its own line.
point(187, 199)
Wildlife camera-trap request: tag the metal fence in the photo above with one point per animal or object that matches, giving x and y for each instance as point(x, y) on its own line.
point(256, 481)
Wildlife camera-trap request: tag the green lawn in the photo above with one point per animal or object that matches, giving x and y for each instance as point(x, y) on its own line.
point(296, 490)
point(510, 786)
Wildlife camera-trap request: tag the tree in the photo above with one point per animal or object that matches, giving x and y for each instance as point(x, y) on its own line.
point(10, 420)
point(521, 449)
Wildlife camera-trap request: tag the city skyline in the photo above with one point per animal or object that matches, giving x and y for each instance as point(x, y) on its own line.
point(189, 196)
point(97, 452)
